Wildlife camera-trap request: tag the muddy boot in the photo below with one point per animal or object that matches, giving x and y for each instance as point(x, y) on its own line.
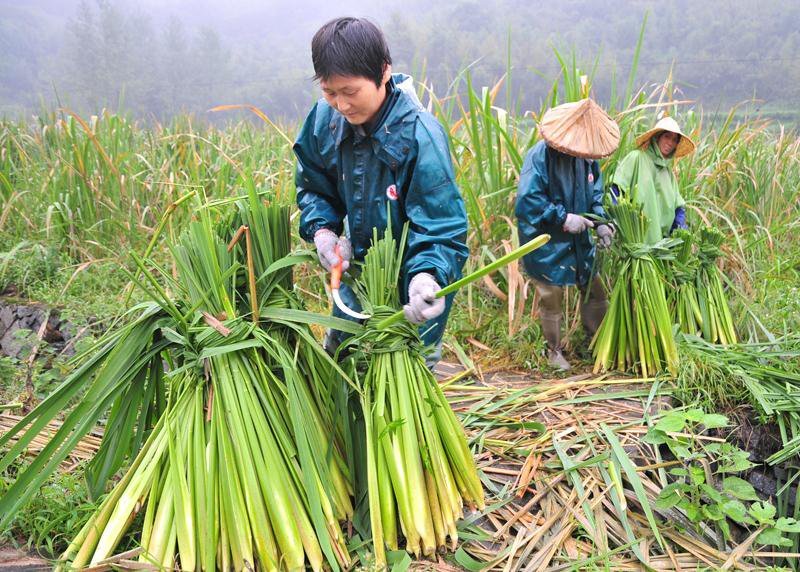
point(557, 360)
point(551, 328)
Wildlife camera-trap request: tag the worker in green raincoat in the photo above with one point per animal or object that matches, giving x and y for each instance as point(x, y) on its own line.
point(368, 153)
point(561, 193)
point(646, 173)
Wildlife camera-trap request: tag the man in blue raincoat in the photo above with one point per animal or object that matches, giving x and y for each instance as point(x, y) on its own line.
point(369, 144)
point(560, 193)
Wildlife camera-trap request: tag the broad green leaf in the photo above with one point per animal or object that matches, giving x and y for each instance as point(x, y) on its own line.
point(712, 512)
point(739, 488)
point(714, 421)
point(786, 524)
point(735, 510)
point(712, 493)
point(695, 414)
point(762, 512)
point(772, 536)
point(697, 474)
point(672, 422)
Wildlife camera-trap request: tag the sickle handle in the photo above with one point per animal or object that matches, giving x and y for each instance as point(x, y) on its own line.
point(336, 271)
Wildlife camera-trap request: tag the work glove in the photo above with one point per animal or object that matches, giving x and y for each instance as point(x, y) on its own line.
point(326, 242)
point(576, 224)
point(605, 233)
point(423, 305)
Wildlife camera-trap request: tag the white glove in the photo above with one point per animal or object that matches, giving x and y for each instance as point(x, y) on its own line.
point(576, 224)
point(326, 242)
point(423, 305)
point(605, 232)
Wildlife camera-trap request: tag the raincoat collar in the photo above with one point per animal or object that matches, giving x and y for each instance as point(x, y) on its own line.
point(658, 157)
point(395, 113)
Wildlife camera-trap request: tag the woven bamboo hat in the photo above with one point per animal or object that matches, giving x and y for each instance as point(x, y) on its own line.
point(685, 145)
point(581, 129)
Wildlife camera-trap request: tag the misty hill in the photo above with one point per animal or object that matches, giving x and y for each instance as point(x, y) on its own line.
point(156, 58)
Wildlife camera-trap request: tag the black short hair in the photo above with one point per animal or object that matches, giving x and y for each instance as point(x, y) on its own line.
point(350, 47)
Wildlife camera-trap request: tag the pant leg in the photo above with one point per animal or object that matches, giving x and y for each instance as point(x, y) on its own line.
point(550, 299)
point(593, 308)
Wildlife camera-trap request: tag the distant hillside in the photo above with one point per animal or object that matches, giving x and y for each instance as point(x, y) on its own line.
point(156, 58)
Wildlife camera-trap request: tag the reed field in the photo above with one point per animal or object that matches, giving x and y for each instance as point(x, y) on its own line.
point(578, 473)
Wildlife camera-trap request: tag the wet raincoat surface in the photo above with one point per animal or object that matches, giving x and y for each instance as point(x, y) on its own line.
point(656, 188)
point(551, 185)
point(403, 162)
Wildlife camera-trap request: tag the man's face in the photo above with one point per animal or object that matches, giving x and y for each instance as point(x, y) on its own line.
point(355, 97)
point(667, 142)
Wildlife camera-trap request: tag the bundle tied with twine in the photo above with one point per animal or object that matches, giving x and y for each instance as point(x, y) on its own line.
point(419, 470)
point(637, 329)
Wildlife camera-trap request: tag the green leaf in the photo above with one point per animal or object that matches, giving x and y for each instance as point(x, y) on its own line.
point(712, 493)
point(739, 488)
point(672, 422)
point(681, 452)
point(655, 437)
point(786, 524)
point(398, 560)
point(668, 497)
point(735, 510)
point(467, 561)
point(694, 414)
point(679, 472)
point(773, 536)
point(697, 474)
point(725, 528)
point(692, 511)
point(735, 461)
point(763, 512)
point(713, 512)
point(623, 461)
point(714, 421)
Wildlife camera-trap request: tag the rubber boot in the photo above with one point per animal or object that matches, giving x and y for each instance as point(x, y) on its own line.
point(551, 328)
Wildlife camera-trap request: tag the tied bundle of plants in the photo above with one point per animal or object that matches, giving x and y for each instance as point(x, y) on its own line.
point(637, 329)
point(717, 324)
point(420, 470)
point(683, 296)
point(236, 463)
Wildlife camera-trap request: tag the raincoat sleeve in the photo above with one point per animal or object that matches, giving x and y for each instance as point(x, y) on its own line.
point(535, 211)
point(622, 179)
point(437, 218)
point(317, 196)
point(597, 192)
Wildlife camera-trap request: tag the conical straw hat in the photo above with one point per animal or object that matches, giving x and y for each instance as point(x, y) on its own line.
point(685, 145)
point(581, 129)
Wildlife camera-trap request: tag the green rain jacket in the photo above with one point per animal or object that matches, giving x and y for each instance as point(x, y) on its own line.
point(656, 188)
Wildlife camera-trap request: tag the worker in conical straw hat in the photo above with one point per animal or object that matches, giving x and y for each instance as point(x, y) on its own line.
point(646, 173)
point(561, 193)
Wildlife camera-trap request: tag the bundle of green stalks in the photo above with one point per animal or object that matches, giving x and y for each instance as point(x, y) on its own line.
point(420, 471)
point(637, 330)
point(717, 323)
point(683, 296)
point(765, 375)
point(237, 463)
